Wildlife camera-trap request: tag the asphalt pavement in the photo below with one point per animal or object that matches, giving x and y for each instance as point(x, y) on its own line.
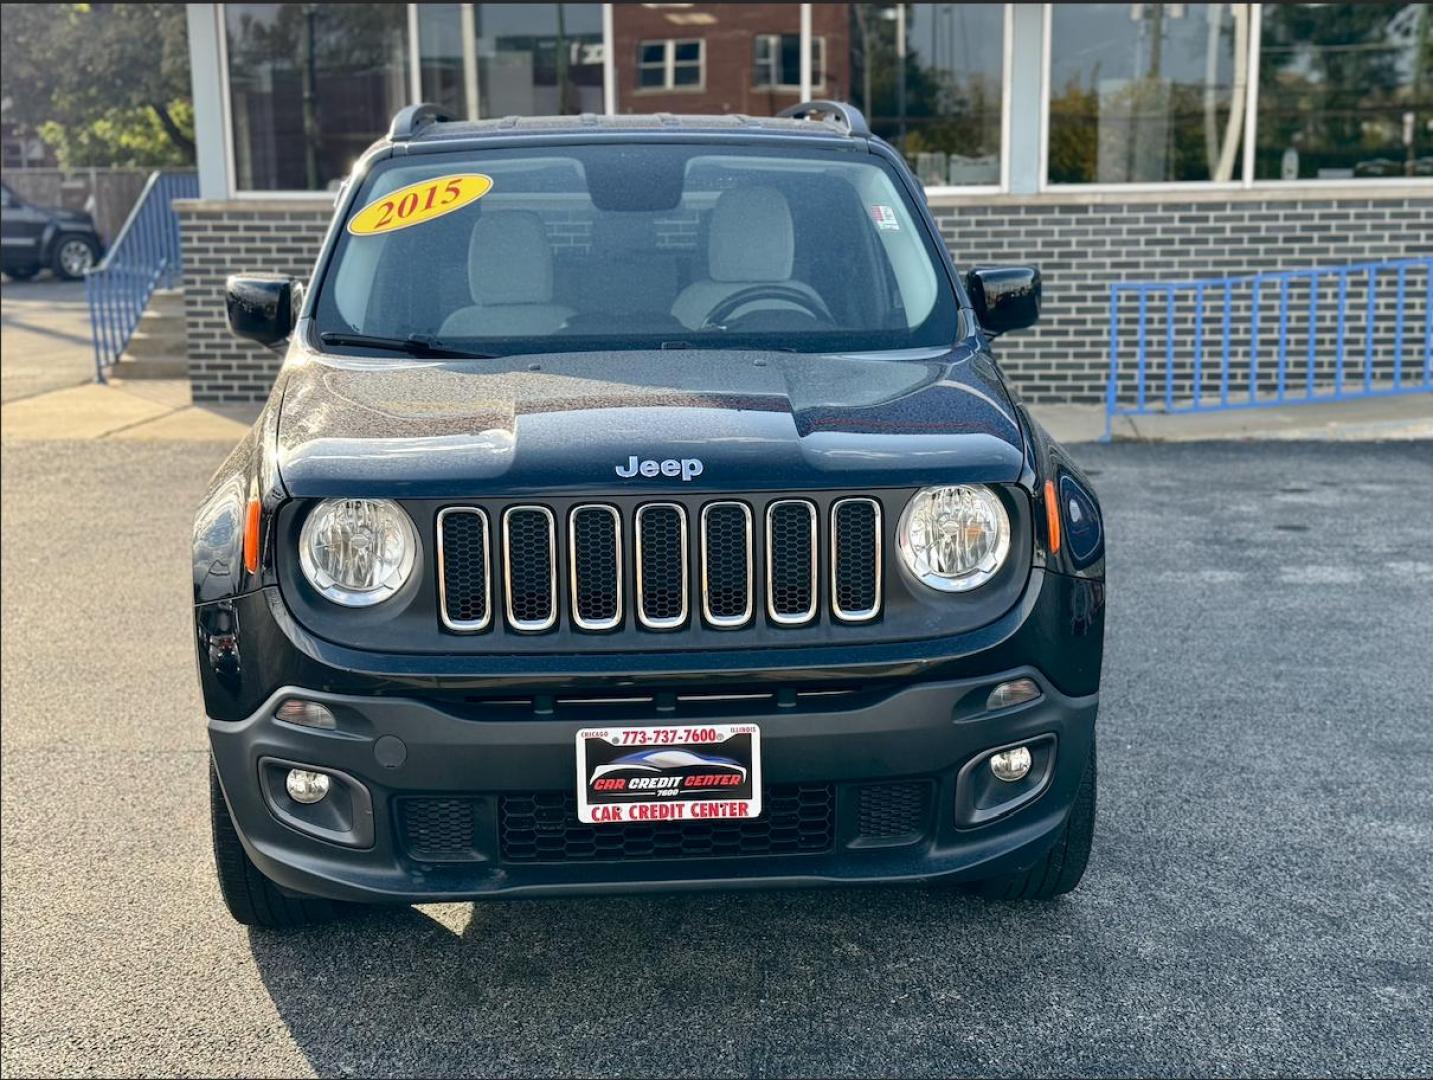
point(45, 323)
point(1260, 900)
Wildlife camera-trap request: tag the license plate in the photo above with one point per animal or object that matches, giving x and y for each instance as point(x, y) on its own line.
point(701, 772)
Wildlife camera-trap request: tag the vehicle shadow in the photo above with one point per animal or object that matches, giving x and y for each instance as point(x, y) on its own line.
point(890, 980)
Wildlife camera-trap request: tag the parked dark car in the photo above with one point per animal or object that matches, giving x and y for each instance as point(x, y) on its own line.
point(33, 238)
point(640, 506)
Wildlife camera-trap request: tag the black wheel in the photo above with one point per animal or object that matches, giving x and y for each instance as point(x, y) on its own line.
point(73, 256)
point(251, 898)
point(1061, 869)
point(22, 273)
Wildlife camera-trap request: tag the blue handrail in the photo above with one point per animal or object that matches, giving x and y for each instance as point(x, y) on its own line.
point(144, 257)
point(1359, 347)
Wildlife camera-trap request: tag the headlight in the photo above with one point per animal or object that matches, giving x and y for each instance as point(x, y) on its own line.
point(954, 538)
point(357, 552)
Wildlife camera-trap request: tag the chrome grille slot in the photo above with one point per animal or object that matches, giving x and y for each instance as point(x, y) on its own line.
point(661, 557)
point(464, 569)
point(791, 561)
point(595, 555)
point(856, 559)
point(682, 570)
point(530, 568)
point(727, 564)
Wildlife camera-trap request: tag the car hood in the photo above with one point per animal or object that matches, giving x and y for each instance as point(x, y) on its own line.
point(69, 217)
point(566, 422)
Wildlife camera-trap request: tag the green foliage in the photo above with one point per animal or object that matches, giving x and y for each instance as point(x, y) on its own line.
point(104, 84)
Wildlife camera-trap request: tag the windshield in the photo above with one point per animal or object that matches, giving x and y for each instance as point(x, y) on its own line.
point(630, 246)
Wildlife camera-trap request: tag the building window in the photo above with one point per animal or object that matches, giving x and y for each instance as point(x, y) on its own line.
point(441, 56)
point(1345, 92)
point(310, 87)
point(776, 62)
point(947, 118)
point(671, 64)
point(539, 59)
point(1147, 93)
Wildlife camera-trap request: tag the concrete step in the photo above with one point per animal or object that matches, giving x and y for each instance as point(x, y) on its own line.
point(164, 342)
point(161, 323)
point(167, 302)
point(174, 365)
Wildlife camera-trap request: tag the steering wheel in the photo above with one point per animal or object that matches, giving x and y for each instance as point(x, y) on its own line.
point(768, 291)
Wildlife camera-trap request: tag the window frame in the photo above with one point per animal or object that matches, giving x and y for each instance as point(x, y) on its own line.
point(1246, 182)
point(669, 65)
point(790, 88)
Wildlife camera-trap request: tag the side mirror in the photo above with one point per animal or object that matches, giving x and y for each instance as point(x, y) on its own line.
point(263, 307)
point(1005, 297)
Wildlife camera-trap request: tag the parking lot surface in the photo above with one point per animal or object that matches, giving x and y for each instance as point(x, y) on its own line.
point(46, 327)
point(1258, 902)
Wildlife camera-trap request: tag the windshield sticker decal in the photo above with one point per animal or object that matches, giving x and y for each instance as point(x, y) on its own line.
point(885, 217)
point(420, 202)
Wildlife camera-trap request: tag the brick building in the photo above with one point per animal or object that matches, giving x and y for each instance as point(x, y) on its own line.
point(1101, 142)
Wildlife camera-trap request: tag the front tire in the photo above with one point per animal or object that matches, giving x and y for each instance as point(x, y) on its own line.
point(1063, 866)
point(251, 898)
point(74, 255)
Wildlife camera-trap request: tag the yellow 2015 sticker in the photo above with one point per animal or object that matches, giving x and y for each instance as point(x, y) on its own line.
point(416, 203)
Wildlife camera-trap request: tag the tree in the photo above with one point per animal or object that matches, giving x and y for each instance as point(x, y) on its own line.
point(104, 84)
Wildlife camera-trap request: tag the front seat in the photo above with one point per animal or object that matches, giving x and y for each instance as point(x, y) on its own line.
point(750, 241)
point(510, 280)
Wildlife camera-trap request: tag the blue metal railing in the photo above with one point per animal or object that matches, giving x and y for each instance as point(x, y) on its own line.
point(1314, 334)
point(144, 257)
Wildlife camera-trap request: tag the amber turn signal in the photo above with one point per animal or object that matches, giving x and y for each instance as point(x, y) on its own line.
point(1052, 516)
point(251, 537)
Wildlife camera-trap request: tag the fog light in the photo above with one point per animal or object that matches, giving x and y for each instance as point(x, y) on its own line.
point(1014, 692)
point(309, 787)
point(1008, 765)
point(308, 713)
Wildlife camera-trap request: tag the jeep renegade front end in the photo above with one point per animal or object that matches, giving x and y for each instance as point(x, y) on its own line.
point(639, 506)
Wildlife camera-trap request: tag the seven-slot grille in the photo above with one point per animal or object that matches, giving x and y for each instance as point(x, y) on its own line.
point(732, 539)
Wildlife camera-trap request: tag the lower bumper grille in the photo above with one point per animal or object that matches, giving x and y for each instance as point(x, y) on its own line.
point(438, 830)
point(894, 813)
point(543, 827)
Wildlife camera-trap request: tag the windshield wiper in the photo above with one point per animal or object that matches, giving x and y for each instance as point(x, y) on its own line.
point(413, 345)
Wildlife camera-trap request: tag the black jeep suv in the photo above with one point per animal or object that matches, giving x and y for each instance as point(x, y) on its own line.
point(639, 506)
point(35, 237)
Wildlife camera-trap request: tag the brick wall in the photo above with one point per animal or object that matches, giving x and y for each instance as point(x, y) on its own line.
point(1084, 243)
point(223, 238)
point(1081, 243)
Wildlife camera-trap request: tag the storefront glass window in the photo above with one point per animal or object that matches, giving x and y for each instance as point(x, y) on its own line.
point(310, 86)
point(946, 118)
point(1345, 92)
point(1147, 93)
point(539, 59)
point(441, 56)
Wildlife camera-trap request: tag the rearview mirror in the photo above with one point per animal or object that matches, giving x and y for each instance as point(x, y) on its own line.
point(1005, 297)
point(263, 307)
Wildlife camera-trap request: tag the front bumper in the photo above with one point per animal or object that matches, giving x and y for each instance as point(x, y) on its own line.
point(918, 738)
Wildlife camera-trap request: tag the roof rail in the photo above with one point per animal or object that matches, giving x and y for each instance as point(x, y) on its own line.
point(837, 110)
point(409, 121)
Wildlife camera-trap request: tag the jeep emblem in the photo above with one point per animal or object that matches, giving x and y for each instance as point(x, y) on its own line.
point(688, 468)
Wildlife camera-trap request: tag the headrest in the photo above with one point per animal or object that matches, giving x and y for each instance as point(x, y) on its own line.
point(750, 236)
point(509, 259)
